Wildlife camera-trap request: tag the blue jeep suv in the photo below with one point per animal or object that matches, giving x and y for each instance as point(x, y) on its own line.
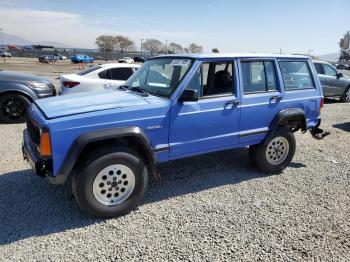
point(172, 107)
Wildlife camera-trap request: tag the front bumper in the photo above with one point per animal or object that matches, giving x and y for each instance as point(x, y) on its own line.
point(41, 166)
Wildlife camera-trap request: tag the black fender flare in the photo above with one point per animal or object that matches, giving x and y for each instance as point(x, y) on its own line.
point(83, 140)
point(284, 117)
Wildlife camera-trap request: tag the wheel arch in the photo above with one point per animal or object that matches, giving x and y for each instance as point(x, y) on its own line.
point(131, 136)
point(292, 118)
point(19, 92)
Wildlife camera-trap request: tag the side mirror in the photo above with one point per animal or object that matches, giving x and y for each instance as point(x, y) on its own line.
point(339, 75)
point(189, 95)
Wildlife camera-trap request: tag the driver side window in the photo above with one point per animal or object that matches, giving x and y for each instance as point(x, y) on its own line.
point(329, 71)
point(213, 79)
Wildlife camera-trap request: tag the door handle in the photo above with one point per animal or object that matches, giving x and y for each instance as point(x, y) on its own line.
point(231, 104)
point(275, 99)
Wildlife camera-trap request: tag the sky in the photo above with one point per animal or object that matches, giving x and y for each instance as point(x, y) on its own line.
point(295, 26)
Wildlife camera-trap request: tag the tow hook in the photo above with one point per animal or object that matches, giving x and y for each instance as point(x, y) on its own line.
point(317, 132)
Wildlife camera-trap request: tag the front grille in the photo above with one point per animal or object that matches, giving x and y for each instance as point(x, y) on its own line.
point(34, 133)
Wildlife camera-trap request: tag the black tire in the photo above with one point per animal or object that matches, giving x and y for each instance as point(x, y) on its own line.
point(259, 154)
point(96, 162)
point(13, 108)
point(346, 96)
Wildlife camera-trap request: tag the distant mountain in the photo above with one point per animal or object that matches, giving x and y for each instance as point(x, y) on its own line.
point(334, 57)
point(14, 40)
point(17, 40)
point(55, 44)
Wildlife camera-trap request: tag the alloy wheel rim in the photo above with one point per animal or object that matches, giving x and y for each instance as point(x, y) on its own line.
point(277, 150)
point(13, 108)
point(113, 184)
point(347, 95)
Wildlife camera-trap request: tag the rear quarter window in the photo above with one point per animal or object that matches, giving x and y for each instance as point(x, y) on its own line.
point(89, 70)
point(296, 75)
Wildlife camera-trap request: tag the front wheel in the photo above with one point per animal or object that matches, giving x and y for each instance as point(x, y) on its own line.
point(275, 154)
point(13, 108)
point(111, 182)
point(346, 96)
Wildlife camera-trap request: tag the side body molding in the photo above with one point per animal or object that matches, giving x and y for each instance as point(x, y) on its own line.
point(82, 141)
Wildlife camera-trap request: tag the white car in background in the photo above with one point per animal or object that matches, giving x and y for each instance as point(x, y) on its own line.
point(127, 60)
point(97, 78)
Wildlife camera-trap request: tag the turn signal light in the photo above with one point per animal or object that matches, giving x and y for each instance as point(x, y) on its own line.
point(45, 144)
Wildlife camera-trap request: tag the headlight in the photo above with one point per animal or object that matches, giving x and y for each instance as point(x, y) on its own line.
point(38, 85)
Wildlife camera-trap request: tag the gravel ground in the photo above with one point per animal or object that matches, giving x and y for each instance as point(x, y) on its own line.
point(209, 208)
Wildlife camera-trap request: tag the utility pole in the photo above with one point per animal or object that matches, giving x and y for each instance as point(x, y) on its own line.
point(310, 51)
point(280, 50)
point(141, 46)
point(166, 46)
point(2, 44)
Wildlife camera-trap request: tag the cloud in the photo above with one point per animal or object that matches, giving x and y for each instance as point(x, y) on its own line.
point(75, 29)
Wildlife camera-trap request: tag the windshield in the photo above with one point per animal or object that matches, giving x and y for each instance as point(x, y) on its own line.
point(160, 76)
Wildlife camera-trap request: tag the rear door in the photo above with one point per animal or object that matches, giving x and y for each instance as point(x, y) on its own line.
point(261, 98)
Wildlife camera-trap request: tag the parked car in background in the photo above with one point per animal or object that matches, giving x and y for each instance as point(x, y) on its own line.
point(17, 91)
point(97, 78)
point(343, 67)
point(127, 60)
point(60, 56)
point(334, 83)
point(5, 54)
point(110, 142)
point(48, 59)
point(82, 59)
point(139, 59)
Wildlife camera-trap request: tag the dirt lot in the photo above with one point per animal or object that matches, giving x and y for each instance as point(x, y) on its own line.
point(209, 208)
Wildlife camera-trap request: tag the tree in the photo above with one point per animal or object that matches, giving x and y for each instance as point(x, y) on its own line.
point(105, 43)
point(215, 50)
point(122, 43)
point(152, 45)
point(175, 48)
point(194, 48)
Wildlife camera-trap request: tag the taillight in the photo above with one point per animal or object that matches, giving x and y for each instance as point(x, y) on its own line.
point(45, 144)
point(321, 104)
point(70, 84)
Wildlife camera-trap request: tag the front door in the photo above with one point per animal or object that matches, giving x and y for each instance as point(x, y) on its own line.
point(212, 122)
point(333, 86)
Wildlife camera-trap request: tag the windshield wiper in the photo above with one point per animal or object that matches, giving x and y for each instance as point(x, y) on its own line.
point(138, 89)
point(123, 87)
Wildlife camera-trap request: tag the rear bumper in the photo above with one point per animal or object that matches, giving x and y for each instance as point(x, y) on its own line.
point(41, 166)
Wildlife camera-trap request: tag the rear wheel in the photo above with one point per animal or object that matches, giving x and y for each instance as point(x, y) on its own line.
point(275, 154)
point(346, 96)
point(111, 182)
point(13, 108)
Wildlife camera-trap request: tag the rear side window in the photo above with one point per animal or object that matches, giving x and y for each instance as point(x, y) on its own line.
point(258, 76)
point(89, 70)
point(122, 73)
point(106, 74)
point(318, 68)
point(296, 75)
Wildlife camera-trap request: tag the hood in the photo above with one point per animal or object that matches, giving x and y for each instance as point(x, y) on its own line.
point(85, 102)
point(20, 77)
